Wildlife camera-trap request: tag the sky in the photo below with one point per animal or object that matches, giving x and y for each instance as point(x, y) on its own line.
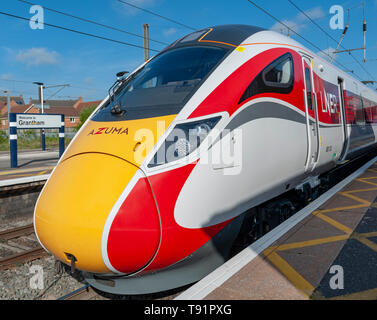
point(56, 57)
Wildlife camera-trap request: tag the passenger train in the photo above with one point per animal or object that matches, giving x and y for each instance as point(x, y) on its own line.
point(137, 204)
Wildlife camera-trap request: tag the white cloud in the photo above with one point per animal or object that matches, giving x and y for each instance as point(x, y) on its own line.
point(279, 27)
point(314, 13)
point(37, 57)
point(299, 22)
point(6, 76)
point(169, 32)
point(129, 10)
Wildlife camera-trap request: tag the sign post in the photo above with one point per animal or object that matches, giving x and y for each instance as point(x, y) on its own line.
point(13, 140)
point(61, 136)
point(33, 121)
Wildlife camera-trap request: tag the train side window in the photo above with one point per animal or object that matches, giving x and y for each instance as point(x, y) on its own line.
point(279, 73)
point(309, 94)
point(360, 114)
point(277, 77)
point(367, 110)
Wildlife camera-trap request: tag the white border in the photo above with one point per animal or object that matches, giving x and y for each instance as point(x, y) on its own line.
point(15, 181)
point(111, 216)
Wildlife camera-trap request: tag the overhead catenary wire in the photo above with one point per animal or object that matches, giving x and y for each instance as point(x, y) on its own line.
point(157, 15)
point(299, 35)
point(93, 22)
point(59, 90)
point(344, 31)
point(32, 83)
point(78, 32)
point(325, 32)
point(369, 60)
point(305, 23)
point(60, 96)
point(11, 80)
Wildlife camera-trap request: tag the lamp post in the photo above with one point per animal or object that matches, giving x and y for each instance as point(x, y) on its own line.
point(43, 139)
point(8, 104)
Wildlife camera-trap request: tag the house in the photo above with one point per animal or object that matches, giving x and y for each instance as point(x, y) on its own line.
point(70, 108)
point(14, 101)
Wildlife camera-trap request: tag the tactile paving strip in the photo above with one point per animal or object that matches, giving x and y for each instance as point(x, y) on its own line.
point(350, 221)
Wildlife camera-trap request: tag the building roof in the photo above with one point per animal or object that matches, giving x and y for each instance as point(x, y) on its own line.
point(70, 108)
point(83, 105)
point(57, 103)
point(18, 100)
point(14, 109)
point(68, 112)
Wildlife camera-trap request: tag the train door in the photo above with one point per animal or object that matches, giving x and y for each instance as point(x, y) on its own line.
point(342, 106)
point(311, 116)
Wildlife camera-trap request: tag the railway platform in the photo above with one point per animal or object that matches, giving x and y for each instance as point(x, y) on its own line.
point(31, 163)
point(328, 250)
point(20, 187)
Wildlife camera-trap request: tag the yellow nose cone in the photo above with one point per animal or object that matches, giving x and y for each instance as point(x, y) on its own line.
point(72, 210)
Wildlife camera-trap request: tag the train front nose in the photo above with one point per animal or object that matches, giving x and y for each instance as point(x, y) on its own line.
point(72, 211)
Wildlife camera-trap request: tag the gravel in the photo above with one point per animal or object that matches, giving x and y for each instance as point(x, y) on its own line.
point(20, 282)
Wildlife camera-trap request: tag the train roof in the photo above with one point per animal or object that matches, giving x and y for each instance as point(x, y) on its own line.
point(231, 35)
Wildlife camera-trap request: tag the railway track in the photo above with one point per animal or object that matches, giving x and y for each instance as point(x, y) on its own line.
point(16, 232)
point(19, 253)
point(88, 293)
point(84, 293)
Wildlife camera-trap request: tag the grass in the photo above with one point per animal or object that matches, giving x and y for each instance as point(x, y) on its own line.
point(28, 140)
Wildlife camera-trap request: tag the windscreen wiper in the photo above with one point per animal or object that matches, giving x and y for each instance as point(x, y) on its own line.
point(120, 83)
point(114, 107)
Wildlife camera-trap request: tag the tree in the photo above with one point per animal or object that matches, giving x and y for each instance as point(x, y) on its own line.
point(85, 114)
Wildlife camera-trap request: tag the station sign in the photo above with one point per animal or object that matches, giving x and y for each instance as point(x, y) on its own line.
point(38, 121)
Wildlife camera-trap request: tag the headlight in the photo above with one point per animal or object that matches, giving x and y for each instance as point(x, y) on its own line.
point(183, 140)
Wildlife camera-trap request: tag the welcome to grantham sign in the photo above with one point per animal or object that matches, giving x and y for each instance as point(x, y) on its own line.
point(37, 121)
point(33, 121)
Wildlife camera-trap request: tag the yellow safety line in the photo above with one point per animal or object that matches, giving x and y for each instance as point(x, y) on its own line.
point(269, 250)
point(368, 182)
point(3, 173)
point(345, 208)
point(334, 223)
point(369, 178)
point(368, 234)
point(370, 294)
point(354, 198)
point(360, 190)
point(291, 274)
point(23, 175)
point(365, 241)
point(308, 243)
